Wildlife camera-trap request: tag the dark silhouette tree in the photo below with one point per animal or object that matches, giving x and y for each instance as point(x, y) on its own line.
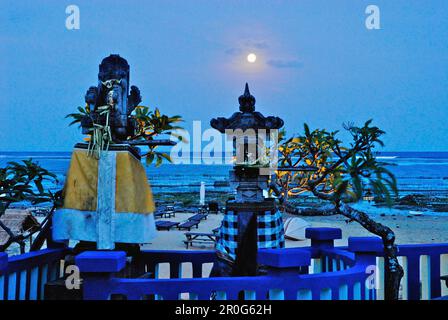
point(343, 174)
point(24, 182)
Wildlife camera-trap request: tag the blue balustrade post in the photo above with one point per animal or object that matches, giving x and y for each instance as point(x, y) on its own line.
point(3, 268)
point(282, 263)
point(97, 268)
point(3, 262)
point(321, 238)
point(366, 250)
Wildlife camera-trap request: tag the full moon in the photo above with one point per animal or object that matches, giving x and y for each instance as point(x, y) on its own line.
point(251, 57)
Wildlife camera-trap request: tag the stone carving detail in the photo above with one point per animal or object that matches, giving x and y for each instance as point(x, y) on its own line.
point(248, 182)
point(113, 89)
point(248, 189)
point(247, 117)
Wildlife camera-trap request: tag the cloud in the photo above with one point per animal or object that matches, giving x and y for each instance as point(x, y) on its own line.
point(247, 45)
point(285, 64)
point(257, 44)
point(233, 51)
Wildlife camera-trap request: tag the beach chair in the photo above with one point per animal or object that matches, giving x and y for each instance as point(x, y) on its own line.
point(198, 217)
point(158, 215)
point(165, 225)
point(168, 214)
point(202, 209)
point(189, 209)
point(189, 224)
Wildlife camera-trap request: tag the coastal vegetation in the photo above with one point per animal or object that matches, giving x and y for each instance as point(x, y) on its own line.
point(342, 175)
point(23, 182)
point(149, 124)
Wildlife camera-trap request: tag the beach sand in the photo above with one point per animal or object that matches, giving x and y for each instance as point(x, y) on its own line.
point(421, 229)
point(173, 239)
point(415, 229)
point(408, 230)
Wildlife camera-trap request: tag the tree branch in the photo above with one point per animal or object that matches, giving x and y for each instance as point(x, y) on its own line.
point(394, 271)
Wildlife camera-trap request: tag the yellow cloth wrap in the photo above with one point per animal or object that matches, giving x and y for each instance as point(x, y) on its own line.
point(80, 191)
point(133, 193)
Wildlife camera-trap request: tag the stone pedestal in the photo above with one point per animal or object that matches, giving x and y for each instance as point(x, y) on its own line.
point(106, 200)
point(248, 183)
point(251, 221)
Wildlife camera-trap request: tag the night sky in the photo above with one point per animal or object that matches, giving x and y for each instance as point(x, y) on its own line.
point(316, 63)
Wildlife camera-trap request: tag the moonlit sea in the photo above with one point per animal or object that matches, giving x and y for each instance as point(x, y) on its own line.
point(416, 172)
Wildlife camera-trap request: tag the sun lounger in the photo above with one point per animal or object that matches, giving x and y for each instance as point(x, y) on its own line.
point(165, 225)
point(168, 214)
point(189, 224)
point(202, 209)
point(198, 217)
point(199, 238)
point(158, 215)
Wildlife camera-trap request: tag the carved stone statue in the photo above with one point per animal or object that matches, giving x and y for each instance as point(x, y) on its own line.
point(113, 90)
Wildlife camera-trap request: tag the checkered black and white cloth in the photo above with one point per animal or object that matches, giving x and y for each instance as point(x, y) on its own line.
point(270, 232)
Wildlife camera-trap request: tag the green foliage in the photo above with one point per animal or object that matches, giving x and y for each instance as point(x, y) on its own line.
point(77, 117)
point(343, 173)
point(149, 125)
point(18, 182)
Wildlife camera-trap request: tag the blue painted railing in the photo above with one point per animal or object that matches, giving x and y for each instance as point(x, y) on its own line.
point(24, 276)
point(423, 265)
point(318, 272)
